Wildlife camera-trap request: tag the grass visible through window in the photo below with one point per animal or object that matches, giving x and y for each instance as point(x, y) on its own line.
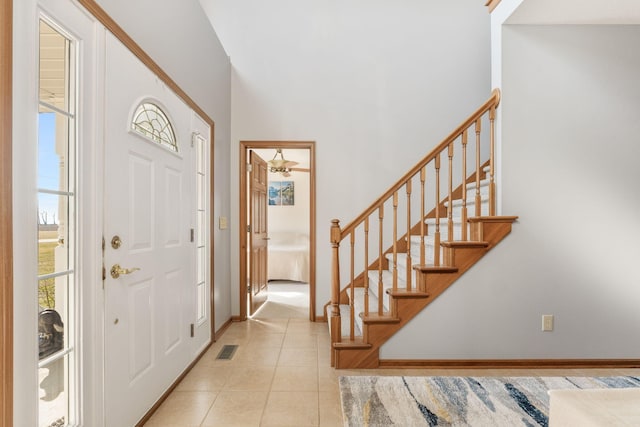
point(46, 265)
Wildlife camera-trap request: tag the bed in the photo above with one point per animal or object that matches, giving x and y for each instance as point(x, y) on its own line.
point(288, 256)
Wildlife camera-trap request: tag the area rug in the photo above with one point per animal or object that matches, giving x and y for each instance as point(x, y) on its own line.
point(458, 401)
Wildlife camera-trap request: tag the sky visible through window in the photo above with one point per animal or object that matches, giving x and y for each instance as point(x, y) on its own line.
point(48, 164)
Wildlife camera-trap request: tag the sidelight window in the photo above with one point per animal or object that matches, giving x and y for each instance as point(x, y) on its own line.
point(56, 224)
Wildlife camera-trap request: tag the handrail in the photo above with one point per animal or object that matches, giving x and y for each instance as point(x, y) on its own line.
point(493, 101)
point(492, 4)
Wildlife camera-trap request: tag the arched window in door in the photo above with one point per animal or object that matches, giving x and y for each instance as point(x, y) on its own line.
point(151, 122)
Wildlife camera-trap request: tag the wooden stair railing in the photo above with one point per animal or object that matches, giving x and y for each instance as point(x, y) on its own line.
point(415, 231)
point(492, 4)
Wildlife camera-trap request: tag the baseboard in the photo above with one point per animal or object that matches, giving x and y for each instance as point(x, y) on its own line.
point(224, 327)
point(511, 363)
point(321, 319)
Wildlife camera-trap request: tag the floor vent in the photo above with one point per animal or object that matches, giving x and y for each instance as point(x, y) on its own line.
point(227, 352)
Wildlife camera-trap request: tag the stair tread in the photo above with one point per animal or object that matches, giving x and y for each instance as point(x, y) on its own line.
point(403, 293)
point(376, 318)
point(464, 244)
point(501, 219)
point(355, 344)
point(430, 268)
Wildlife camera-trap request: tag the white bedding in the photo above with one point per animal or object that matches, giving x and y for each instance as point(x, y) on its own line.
point(288, 256)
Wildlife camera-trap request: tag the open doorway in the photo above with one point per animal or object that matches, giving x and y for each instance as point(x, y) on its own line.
point(282, 272)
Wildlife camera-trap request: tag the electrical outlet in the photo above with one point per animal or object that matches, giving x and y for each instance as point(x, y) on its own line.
point(547, 322)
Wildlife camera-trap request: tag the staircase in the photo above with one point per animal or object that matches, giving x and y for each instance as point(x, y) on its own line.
point(433, 241)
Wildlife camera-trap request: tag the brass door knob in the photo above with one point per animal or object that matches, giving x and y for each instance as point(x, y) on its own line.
point(116, 270)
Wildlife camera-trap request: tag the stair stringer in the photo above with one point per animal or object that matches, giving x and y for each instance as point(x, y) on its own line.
point(405, 305)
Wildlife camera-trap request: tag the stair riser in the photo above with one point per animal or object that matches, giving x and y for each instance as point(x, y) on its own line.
point(471, 210)
point(429, 254)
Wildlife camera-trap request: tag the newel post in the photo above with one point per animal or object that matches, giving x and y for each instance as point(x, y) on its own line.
point(336, 333)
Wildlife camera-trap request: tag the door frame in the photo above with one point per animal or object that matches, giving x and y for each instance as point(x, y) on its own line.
point(243, 220)
point(6, 212)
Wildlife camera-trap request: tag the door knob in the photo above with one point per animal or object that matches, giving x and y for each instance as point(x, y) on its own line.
point(116, 242)
point(116, 270)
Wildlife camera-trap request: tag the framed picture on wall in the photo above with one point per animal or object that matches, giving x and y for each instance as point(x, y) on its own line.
point(281, 193)
point(287, 193)
point(273, 193)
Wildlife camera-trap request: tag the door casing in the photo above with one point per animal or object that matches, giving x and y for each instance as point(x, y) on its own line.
point(6, 220)
point(243, 220)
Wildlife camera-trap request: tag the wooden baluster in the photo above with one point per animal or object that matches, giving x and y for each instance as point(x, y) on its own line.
point(478, 171)
point(492, 185)
point(366, 266)
point(351, 287)
point(423, 174)
point(380, 257)
point(436, 237)
point(336, 333)
point(450, 236)
point(395, 240)
point(464, 185)
point(409, 263)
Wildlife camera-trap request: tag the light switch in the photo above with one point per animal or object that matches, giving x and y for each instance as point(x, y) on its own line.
point(222, 223)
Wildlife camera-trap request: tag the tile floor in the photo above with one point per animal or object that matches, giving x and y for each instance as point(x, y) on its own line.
point(280, 376)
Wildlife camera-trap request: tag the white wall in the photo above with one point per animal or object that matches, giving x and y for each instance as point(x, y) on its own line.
point(180, 39)
point(375, 83)
point(291, 218)
point(570, 147)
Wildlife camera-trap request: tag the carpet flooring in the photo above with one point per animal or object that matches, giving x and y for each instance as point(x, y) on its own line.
point(458, 401)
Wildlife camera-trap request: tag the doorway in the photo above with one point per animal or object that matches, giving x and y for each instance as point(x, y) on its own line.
point(293, 234)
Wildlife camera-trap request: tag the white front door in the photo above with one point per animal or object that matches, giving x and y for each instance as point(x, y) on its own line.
point(149, 196)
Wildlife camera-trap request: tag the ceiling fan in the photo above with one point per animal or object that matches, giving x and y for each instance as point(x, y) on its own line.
point(283, 166)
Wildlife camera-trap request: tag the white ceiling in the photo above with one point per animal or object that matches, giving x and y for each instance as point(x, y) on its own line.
point(603, 12)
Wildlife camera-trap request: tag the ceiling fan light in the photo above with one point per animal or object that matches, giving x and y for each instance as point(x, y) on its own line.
point(277, 163)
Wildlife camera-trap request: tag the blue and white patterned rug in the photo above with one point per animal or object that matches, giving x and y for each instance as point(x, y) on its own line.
point(458, 401)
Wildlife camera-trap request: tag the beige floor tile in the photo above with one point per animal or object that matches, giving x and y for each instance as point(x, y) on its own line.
point(298, 357)
point(261, 356)
point(324, 353)
point(266, 340)
point(328, 379)
point(304, 326)
point(295, 378)
point(278, 326)
point(237, 408)
point(250, 378)
point(330, 409)
point(183, 408)
point(291, 408)
point(299, 340)
point(204, 378)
